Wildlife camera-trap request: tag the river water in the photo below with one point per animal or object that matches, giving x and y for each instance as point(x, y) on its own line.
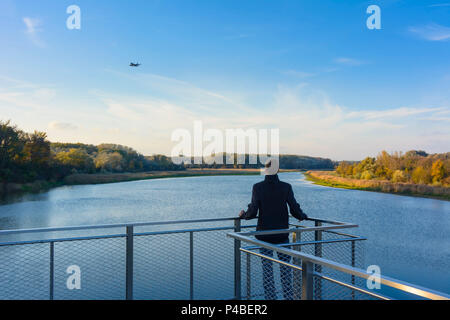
point(408, 237)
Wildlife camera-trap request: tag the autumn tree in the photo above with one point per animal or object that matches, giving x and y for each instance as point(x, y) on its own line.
point(77, 159)
point(107, 161)
point(438, 171)
point(421, 175)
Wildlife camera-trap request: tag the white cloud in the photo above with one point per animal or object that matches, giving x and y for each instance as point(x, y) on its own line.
point(391, 113)
point(238, 36)
point(186, 94)
point(37, 99)
point(33, 29)
point(309, 124)
point(309, 121)
point(298, 74)
point(14, 83)
point(44, 93)
point(440, 5)
point(349, 61)
point(55, 125)
point(431, 32)
point(19, 99)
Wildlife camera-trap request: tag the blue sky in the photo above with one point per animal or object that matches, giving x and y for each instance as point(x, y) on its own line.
point(313, 69)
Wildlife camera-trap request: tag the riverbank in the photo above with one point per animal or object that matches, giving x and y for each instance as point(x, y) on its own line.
point(99, 178)
point(7, 189)
point(330, 179)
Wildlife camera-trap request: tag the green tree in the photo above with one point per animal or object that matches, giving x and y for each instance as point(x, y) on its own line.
point(37, 149)
point(76, 158)
point(11, 149)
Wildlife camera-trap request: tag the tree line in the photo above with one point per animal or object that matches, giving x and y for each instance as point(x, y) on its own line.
point(27, 157)
point(413, 166)
point(242, 161)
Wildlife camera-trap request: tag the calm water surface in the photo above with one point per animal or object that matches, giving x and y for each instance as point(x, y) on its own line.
point(408, 237)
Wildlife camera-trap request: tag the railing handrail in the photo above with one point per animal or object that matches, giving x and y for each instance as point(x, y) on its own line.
point(120, 235)
point(136, 224)
point(391, 282)
point(111, 226)
point(297, 230)
point(123, 225)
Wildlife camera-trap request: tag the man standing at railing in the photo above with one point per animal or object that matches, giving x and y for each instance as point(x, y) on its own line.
point(271, 198)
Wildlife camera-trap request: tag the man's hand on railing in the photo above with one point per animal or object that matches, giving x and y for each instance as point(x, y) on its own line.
point(241, 213)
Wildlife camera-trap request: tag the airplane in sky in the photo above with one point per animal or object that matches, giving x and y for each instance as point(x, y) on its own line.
point(134, 64)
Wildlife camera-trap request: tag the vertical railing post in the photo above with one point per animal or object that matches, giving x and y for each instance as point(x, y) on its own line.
point(318, 253)
point(307, 280)
point(52, 269)
point(353, 265)
point(237, 261)
point(297, 294)
point(249, 283)
point(129, 263)
point(191, 265)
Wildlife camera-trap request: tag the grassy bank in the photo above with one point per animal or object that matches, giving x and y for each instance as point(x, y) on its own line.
point(330, 179)
point(99, 178)
point(8, 189)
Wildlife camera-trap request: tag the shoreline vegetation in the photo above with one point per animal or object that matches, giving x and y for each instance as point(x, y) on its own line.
point(101, 178)
point(29, 162)
point(104, 178)
point(332, 179)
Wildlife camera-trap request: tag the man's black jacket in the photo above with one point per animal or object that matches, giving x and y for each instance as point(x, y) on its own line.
point(271, 198)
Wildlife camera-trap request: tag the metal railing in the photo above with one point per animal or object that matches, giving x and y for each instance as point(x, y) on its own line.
point(148, 261)
point(132, 258)
point(313, 268)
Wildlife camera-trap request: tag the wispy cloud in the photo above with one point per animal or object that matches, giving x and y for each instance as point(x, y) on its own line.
point(298, 74)
point(33, 28)
point(14, 83)
point(312, 124)
point(185, 93)
point(238, 36)
point(307, 119)
point(19, 93)
point(303, 74)
point(392, 113)
point(443, 115)
point(56, 125)
point(440, 5)
point(349, 61)
point(431, 32)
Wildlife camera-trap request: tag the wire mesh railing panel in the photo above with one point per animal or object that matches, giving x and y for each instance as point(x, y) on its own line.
point(162, 267)
point(268, 280)
point(213, 265)
point(339, 251)
point(25, 272)
point(100, 264)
